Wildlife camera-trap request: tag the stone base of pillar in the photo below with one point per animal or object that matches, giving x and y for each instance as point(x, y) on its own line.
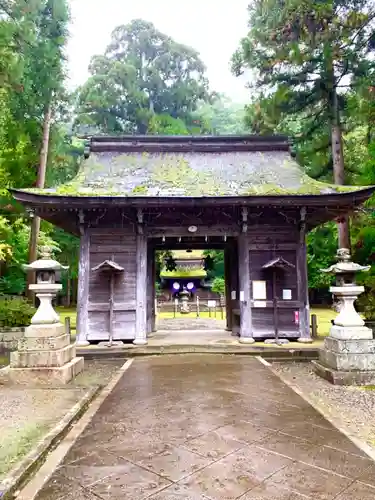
point(246, 340)
point(44, 356)
point(140, 342)
point(350, 332)
point(347, 362)
point(42, 376)
point(82, 343)
point(276, 341)
point(337, 377)
point(305, 340)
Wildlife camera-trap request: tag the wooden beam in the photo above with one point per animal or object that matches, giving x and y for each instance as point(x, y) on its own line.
point(246, 335)
point(141, 293)
point(170, 231)
point(302, 283)
point(83, 288)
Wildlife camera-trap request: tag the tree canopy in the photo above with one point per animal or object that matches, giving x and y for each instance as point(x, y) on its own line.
point(313, 63)
point(143, 73)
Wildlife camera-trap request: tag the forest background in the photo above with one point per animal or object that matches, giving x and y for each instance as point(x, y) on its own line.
point(313, 79)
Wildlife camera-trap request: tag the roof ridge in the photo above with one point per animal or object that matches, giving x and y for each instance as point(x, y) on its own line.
point(191, 138)
point(174, 144)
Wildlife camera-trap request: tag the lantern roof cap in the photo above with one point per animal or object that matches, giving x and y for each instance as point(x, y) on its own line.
point(345, 264)
point(45, 263)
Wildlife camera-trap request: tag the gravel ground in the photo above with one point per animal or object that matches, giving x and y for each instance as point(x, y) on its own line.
point(27, 414)
point(351, 408)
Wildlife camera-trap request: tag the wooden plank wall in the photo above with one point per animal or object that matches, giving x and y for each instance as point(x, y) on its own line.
point(265, 244)
point(119, 245)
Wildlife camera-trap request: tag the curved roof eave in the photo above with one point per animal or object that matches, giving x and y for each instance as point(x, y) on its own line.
point(349, 198)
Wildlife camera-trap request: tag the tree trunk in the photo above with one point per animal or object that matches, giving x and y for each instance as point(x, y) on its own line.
point(339, 168)
point(40, 182)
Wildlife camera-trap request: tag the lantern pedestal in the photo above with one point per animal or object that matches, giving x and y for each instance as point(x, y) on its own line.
point(348, 355)
point(44, 355)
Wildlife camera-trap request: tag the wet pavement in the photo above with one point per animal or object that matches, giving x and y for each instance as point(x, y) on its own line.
point(209, 427)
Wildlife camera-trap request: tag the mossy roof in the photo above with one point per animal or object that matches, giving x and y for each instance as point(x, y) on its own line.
point(197, 273)
point(184, 255)
point(187, 167)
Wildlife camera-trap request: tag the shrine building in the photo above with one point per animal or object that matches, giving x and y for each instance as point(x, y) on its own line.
point(245, 195)
point(187, 273)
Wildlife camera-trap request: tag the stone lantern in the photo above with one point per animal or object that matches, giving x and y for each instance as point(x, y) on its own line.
point(184, 295)
point(45, 354)
point(46, 287)
point(348, 355)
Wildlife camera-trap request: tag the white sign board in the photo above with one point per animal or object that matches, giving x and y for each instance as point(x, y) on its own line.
point(242, 296)
point(259, 290)
point(287, 294)
point(233, 295)
point(211, 303)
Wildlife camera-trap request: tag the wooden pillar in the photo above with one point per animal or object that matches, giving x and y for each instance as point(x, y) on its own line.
point(234, 286)
point(302, 282)
point(150, 289)
point(246, 335)
point(228, 285)
point(154, 298)
point(83, 289)
point(141, 293)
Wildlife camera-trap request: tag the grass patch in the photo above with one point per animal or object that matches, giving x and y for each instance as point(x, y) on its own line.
point(17, 444)
point(324, 316)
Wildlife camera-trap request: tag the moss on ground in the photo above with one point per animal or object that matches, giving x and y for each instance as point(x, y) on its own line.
point(17, 443)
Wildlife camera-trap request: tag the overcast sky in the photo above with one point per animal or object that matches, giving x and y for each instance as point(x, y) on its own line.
point(212, 27)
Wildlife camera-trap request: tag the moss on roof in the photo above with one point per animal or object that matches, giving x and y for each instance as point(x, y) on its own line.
point(197, 273)
point(184, 255)
point(192, 174)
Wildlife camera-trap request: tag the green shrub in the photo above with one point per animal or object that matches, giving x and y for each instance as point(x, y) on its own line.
point(15, 311)
point(218, 286)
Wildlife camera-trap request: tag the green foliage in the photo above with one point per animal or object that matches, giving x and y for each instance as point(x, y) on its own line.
point(166, 125)
point(160, 257)
point(33, 35)
point(220, 117)
point(142, 73)
point(217, 257)
point(218, 286)
point(34, 62)
point(15, 235)
point(314, 70)
point(308, 57)
point(15, 312)
point(321, 250)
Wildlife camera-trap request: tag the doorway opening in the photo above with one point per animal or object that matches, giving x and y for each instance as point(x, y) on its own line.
point(188, 289)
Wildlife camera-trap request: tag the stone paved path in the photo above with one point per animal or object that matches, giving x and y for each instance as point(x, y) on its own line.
point(209, 427)
point(183, 323)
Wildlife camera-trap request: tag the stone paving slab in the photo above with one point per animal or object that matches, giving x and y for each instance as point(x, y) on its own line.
point(211, 428)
